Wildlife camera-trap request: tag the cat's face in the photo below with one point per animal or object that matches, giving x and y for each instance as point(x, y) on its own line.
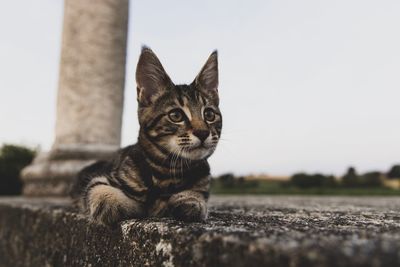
point(182, 120)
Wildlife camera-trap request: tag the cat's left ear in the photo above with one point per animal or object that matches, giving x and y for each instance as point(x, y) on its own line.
point(151, 78)
point(207, 80)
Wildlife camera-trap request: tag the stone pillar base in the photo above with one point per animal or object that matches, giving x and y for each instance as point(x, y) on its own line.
point(53, 173)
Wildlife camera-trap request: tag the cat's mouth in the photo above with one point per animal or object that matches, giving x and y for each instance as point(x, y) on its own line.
point(198, 152)
point(199, 147)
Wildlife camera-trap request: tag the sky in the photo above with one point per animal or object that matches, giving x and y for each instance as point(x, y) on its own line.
point(306, 85)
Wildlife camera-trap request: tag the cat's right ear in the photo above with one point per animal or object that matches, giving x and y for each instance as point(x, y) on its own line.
point(207, 80)
point(151, 78)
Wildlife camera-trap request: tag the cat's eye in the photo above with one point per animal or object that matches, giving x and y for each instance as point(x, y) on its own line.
point(176, 115)
point(209, 114)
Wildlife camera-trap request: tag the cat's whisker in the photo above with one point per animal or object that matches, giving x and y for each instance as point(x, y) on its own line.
point(176, 162)
point(171, 164)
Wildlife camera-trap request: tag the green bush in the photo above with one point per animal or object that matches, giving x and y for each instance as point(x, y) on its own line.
point(371, 179)
point(12, 160)
point(303, 180)
point(227, 180)
point(351, 178)
point(241, 182)
point(231, 181)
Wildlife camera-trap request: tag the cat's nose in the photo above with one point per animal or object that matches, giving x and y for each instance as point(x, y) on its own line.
point(201, 134)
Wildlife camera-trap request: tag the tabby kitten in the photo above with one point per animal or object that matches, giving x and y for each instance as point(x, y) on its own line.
point(166, 172)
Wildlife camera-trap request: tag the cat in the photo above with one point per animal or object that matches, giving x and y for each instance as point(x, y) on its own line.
point(166, 173)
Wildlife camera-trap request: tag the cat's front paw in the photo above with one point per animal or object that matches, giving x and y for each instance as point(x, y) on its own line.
point(192, 210)
point(107, 216)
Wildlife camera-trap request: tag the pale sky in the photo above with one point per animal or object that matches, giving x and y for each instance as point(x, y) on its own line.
point(304, 85)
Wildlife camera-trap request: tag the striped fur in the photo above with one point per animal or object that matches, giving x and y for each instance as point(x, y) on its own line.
point(166, 172)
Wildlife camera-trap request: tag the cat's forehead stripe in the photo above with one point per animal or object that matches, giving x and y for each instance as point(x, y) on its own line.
point(179, 103)
point(186, 108)
point(190, 100)
point(187, 112)
point(179, 97)
point(203, 100)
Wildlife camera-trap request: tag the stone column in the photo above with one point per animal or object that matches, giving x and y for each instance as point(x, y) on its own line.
point(90, 94)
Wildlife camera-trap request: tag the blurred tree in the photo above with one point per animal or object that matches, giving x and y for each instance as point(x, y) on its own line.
point(12, 160)
point(304, 180)
point(252, 183)
point(300, 180)
point(227, 180)
point(240, 181)
point(330, 181)
point(372, 179)
point(394, 172)
point(351, 178)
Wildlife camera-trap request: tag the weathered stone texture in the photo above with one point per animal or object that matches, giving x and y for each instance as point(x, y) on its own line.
point(241, 231)
point(92, 72)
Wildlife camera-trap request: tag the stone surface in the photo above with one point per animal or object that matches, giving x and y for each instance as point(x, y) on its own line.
point(241, 231)
point(92, 72)
point(90, 94)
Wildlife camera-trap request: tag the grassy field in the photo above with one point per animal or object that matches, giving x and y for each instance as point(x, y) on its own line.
point(276, 188)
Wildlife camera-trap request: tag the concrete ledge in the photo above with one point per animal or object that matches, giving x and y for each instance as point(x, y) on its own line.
point(250, 231)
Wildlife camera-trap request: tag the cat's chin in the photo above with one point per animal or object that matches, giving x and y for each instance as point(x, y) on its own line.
point(198, 153)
